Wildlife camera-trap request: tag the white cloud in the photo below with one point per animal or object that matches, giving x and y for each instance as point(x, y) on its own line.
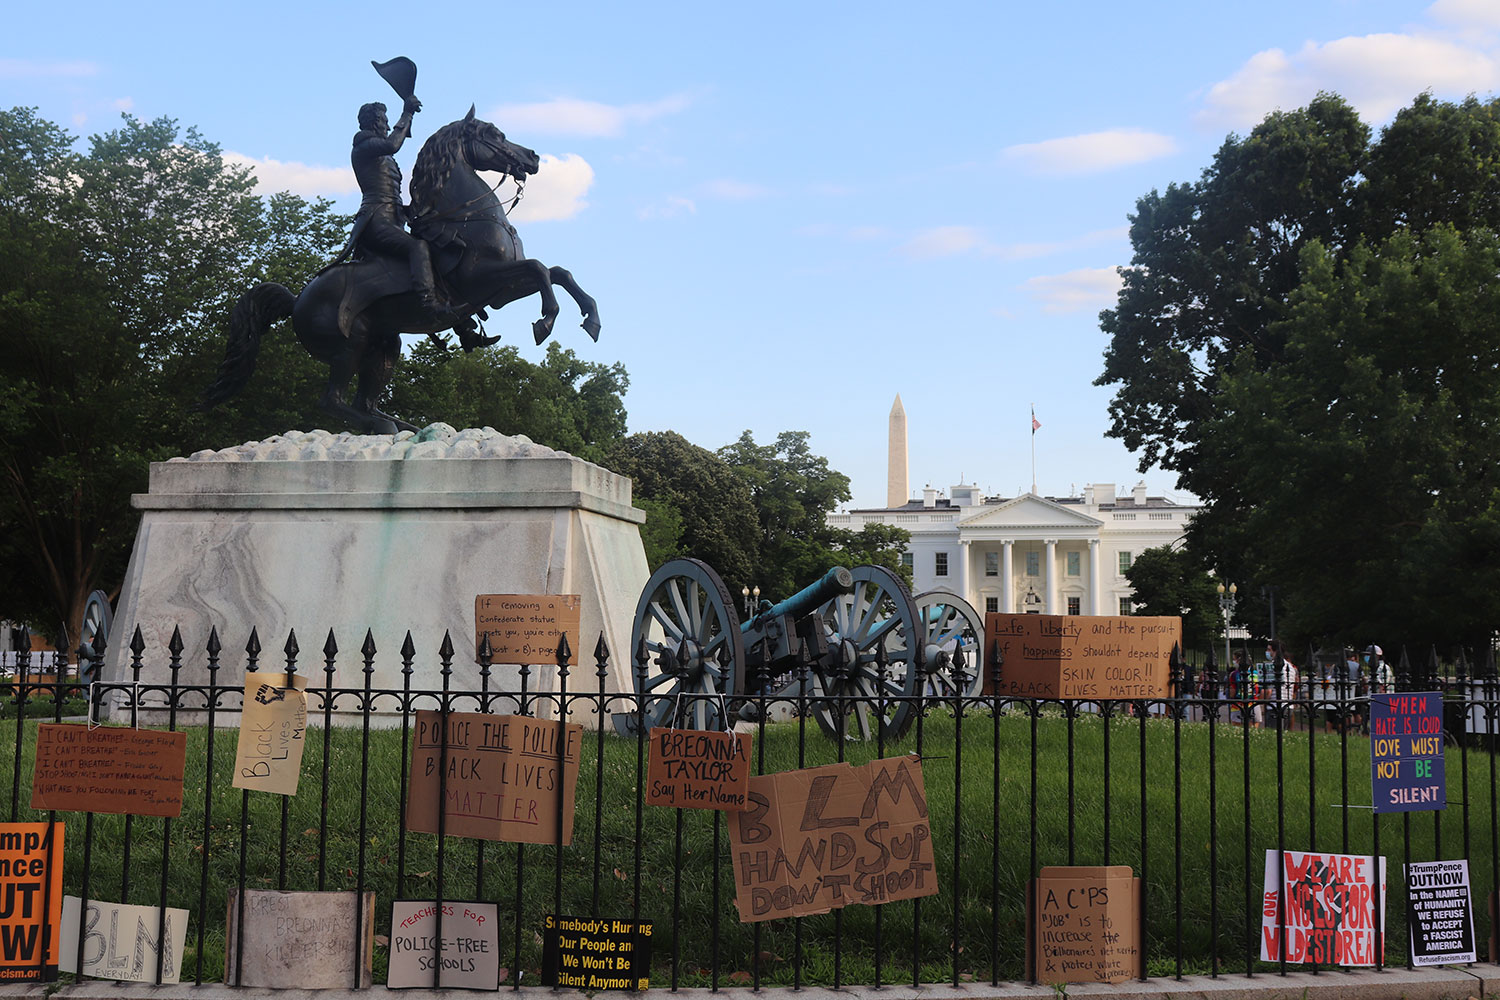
point(1028, 251)
point(1378, 74)
point(1090, 287)
point(14, 68)
point(124, 103)
point(733, 190)
point(298, 178)
point(1092, 152)
point(557, 189)
point(669, 207)
point(1467, 13)
point(570, 116)
point(945, 241)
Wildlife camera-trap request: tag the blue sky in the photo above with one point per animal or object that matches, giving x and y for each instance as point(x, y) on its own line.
point(789, 213)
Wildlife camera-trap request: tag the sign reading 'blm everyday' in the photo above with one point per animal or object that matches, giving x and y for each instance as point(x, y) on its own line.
point(821, 838)
point(122, 941)
point(596, 954)
point(1082, 656)
point(525, 628)
point(1087, 925)
point(108, 769)
point(1406, 752)
point(1440, 913)
point(692, 769)
point(31, 865)
point(1331, 909)
point(499, 777)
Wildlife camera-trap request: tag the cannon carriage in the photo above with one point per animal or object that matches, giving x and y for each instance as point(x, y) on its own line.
point(853, 649)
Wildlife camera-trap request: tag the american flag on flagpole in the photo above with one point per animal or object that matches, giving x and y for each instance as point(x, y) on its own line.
point(1036, 424)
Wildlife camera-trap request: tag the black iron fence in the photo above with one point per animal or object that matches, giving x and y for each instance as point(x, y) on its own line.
point(1191, 791)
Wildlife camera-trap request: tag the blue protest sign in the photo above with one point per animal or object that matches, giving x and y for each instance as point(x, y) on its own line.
point(1406, 752)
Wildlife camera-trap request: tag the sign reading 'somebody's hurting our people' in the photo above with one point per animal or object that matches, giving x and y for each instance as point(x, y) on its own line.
point(693, 769)
point(1330, 911)
point(596, 953)
point(821, 838)
point(1440, 913)
point(1086, 925)
point(108, 769)
point(268, 757)
point(1082, 656)
point(1406, 752)
point(502, 777)
point(31, 864)
point(525, 628)
point(120, 941)
point(469, 948)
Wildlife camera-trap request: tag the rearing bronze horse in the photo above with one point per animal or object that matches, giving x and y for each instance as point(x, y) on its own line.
point(351, 315)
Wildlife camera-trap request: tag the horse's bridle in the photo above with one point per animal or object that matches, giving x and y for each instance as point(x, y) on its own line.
point(471, 136)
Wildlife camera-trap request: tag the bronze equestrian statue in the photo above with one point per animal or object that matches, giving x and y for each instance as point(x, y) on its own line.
point(460, 256)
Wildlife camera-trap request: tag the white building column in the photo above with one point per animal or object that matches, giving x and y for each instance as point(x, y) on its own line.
point(1051, 576)
point(1094, 608)
point(963, 569)
point(1007, 580)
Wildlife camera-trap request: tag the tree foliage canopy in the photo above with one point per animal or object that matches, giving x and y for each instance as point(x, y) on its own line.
point(1172, 582)
point(1300, 337)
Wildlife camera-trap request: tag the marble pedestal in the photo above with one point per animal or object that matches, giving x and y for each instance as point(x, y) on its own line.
point(314, 531)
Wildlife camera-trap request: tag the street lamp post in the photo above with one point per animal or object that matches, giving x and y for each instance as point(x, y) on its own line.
point(1227, 601)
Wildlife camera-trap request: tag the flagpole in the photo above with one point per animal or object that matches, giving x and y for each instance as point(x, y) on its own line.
point(1033, 448)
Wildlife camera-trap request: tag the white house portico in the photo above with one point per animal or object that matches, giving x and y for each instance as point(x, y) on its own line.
point(1044, 555)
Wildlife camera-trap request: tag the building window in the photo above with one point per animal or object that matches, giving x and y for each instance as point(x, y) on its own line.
point(1073, 563)
point(1075, 605)
point(1124, 563)
point(909, 560)
point(1124, 605)
point(992, 564)
point(940, 564)
point(1033, 564)
point(991, 605)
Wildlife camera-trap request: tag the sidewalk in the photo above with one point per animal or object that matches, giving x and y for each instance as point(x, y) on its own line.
point(1393, 984)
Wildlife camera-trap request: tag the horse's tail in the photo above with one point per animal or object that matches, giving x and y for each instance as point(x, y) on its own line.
point(253, 315)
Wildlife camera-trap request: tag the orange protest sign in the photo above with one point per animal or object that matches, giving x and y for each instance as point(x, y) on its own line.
point(108, 769)
point(268, 756)
point(1082, 656)
point(525, 628)
point(501, 777)
point(693, 769)
point(1086, 925)
point(31, 900)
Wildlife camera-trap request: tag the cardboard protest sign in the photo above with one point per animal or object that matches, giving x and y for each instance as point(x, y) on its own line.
point(120, 941)
point(525, 628)
point(1086, 925)
point(1440, 913)
point(1330, 911)
point(1082, 656)
point(1406, 752)
point(502, 777)
point(693, 769)
point(300, 940)
point(596, 954)
point(31, 865)
point(821, 838)
point(268, 757)
point(470, 946)
point(108, 769)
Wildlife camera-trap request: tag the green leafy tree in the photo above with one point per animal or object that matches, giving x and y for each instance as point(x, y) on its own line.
point(117, 266)
point(1169, 581)
point(1209, 306)
point(564, 402)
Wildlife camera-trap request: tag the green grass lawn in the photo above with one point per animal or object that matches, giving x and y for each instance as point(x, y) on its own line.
point(301, 843)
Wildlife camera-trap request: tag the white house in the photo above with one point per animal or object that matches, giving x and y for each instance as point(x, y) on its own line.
point(1048, 555)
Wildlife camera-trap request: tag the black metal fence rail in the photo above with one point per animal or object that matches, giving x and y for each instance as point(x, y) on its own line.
point(1190, 791)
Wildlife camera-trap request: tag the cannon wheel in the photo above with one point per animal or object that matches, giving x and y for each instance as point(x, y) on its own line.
point(878, 612)
point(687, 619)
point(97, 618)
point(952, 624)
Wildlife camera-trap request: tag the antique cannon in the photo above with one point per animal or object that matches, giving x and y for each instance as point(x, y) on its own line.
point(855, 636)
point(951, 624)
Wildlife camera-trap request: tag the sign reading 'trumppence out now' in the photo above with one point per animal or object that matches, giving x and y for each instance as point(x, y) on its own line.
point(820, 838)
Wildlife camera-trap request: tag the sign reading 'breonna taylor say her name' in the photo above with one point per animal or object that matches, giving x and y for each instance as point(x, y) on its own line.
point(820, 838)
point(693, 769)
point(1406, 752)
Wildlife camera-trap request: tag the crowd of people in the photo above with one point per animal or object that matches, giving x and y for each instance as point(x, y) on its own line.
point(1253, 686)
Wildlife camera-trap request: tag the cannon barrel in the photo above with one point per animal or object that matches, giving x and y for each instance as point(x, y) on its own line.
point(836, 581)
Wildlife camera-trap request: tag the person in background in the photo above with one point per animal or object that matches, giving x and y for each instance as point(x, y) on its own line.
point(1382, 677)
